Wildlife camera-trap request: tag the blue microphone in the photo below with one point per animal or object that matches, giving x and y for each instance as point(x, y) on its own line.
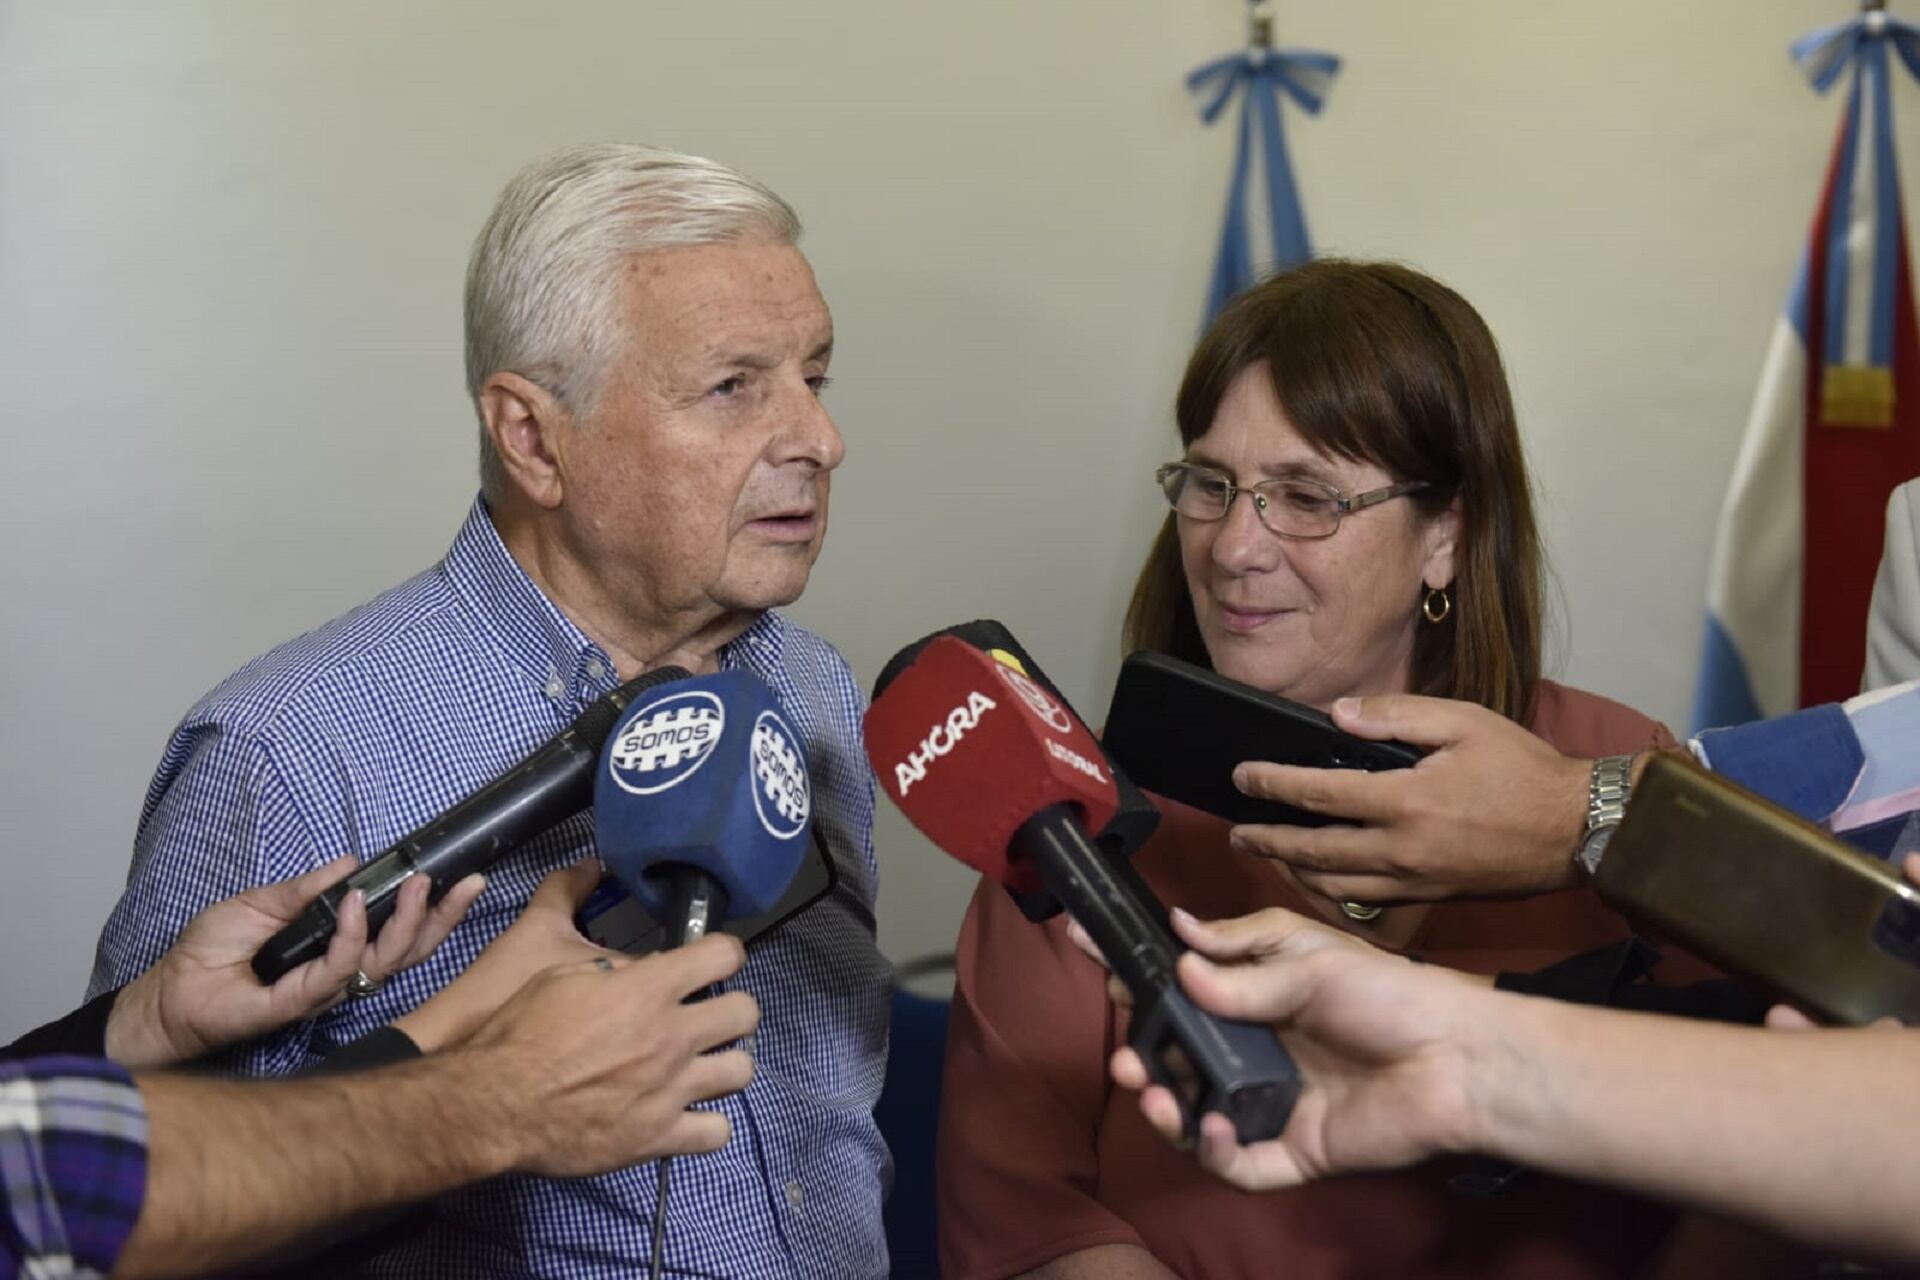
point(701, 803)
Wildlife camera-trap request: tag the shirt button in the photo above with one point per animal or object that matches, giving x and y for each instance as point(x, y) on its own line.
point(796, 1194)
point(555, 689)
point(595, 668)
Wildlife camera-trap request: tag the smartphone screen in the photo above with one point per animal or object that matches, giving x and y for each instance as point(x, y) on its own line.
point(1179, 730)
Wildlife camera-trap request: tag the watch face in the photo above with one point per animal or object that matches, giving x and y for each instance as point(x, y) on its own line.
point(1594, 847)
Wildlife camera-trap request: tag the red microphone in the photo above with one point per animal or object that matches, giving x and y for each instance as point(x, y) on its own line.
point(957, 717)
point(1004, 776)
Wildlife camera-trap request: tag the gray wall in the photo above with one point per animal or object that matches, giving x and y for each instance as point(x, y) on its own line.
point(232, 233)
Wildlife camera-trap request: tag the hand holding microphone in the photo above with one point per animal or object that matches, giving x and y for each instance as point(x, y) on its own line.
point(702, 808)
point(551, 785)
point(1002, 775)
point(542, 938)
point(202, 995)
point(1387, 1048)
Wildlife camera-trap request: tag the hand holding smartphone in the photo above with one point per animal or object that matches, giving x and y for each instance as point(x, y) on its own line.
point(1180, 729)
point(1765, 894)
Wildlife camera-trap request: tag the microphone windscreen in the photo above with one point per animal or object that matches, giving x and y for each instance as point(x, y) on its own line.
point(704, 773)
point(970, 748)
point(1136, 817)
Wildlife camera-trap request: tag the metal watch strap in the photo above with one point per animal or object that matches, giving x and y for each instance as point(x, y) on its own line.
point(1608, 788)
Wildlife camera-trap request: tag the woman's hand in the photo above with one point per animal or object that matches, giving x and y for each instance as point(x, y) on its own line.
point(203, 993)
point(1492, 811)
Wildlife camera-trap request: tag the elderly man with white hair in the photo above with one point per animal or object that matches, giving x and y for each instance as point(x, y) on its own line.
point(646, 349)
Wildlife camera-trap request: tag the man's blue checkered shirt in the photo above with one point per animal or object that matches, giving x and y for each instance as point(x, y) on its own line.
point(354, 734)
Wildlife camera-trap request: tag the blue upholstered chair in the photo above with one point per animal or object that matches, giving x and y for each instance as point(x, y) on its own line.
point(909, 1115)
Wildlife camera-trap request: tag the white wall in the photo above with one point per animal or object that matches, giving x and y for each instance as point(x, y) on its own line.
point(232, 233)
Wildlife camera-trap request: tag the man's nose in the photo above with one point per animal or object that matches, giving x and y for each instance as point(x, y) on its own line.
point(810, 435)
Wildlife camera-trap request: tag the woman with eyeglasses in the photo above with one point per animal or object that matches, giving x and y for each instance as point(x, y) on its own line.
point(1351, 515)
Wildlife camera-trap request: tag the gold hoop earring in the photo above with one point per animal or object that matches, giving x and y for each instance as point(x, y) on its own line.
point(1436, 612)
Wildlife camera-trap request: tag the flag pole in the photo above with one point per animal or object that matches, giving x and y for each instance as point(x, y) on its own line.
point(1260, 25)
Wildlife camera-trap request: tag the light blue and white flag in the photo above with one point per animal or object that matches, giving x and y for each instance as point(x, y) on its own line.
point(1835, 423)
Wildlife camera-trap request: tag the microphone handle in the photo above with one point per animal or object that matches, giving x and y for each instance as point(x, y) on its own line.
point(1209, 1063)
point(697, 907)
point(549, 786)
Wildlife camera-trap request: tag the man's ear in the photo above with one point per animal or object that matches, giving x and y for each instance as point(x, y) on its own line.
point(1442, 538)
point(527, 425)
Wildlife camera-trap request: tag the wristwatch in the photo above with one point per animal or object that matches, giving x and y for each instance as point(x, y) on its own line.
point(1608, 788)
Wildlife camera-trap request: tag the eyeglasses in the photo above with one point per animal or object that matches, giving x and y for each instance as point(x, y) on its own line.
point(1289, 508)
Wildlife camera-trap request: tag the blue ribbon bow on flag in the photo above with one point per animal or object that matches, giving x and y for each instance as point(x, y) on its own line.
point(1861, 248)
point(1260, 74)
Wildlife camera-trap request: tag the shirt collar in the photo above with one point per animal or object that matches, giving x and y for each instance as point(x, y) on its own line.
point(534, 634)
point(537, 637)
point(761, 648)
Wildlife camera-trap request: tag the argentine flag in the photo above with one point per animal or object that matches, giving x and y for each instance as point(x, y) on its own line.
point(1835, 423)
point(1260, 75)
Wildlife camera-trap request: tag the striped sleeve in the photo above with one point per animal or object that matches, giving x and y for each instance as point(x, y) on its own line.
point(73, 1165)
point(1848, 765)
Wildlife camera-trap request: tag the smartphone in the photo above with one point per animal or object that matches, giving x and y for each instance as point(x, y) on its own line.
point(614, 918)
point(1765, 894)
point(1179, 730)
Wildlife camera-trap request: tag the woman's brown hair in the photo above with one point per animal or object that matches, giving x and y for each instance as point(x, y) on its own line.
point(1376, 362)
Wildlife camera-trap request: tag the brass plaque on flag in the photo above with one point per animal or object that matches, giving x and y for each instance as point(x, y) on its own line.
point(1853, 395)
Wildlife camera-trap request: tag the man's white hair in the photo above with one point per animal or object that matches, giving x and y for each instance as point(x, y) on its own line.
point(545, 281)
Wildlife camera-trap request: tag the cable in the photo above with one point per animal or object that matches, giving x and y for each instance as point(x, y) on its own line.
point(660, 1215)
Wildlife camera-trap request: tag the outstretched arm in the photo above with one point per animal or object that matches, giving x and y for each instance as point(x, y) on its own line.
point(1801, 1131)
point(592, 1066)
